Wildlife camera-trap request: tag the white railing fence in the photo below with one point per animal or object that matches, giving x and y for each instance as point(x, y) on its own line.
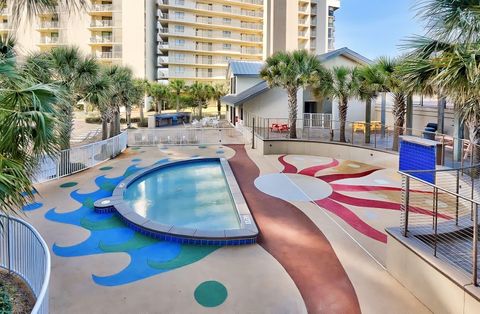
point(184, 136)
point(79, 158)
point(317, 120)
point(25, 253)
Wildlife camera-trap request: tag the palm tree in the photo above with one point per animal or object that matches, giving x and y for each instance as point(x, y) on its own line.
point(367, 91)
point(341, 83)
point(99, 94)
point(29, 129)
point(177, 87)
point(69, 69)
point(218, 91)
point(386, 78)
point(200, 93)
point(447, 57)
point(33, 7)
point(160, 93)
point(144, 85)
point(291, 71)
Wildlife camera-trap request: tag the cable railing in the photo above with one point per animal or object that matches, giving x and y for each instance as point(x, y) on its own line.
point(442, 217)
point(24, 253)
point(79, 158)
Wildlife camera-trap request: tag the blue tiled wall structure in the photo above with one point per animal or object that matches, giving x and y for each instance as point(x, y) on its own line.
point(414, 156)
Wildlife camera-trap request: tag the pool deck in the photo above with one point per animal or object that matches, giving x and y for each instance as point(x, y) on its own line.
point(309, 258)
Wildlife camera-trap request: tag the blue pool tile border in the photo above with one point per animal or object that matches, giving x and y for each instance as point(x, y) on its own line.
point(246, 235)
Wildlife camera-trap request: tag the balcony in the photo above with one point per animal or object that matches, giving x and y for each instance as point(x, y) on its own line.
point(49, 41)
point(173, 2)
point(5, 26)
point(49, 25)
point(102, 40)
point(101, 24)
point(199, 60)
point(108, 55)
point(99, 8)
point(48, 12)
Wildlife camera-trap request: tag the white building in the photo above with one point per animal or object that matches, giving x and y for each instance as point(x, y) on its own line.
point(250, 94)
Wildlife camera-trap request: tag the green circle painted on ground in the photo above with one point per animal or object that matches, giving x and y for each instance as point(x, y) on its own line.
point(68, 185)
point(106, 168)
point(210, 293)
point(135, 148)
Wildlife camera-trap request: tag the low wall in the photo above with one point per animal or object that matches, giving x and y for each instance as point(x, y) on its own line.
point(328, 149)
point(435, 283)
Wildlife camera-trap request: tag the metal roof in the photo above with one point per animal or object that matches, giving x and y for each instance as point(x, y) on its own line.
point(344, 52)
point(246, 95)
point(245, 68)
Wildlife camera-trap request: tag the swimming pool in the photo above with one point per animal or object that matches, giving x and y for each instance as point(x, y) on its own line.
point(190, 195)
point(195, 201)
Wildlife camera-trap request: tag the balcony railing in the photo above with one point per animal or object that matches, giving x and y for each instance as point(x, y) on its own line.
point(49, 40)
point(49, 24)
point(101, 23)
point(109, 55)
point(5, 26)
point(101, 8)
point(102, 40)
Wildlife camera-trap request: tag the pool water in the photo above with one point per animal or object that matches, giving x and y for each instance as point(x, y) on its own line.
point(192, 195)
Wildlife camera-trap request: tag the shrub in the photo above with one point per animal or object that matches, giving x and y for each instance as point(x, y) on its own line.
point(5, 302)
point(143, 124)
point(93, 120)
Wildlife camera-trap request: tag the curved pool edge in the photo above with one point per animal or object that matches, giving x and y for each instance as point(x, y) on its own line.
point(246, 234)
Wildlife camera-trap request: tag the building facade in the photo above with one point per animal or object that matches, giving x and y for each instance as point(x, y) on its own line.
point(193, 40)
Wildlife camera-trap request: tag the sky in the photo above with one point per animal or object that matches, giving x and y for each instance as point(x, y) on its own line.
point(375, 28)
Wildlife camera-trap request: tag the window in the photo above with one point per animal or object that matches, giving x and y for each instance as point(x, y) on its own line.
point(233, 85)
point(180, 42)
point(227, 8)
point(180, 2)
point(179, 15)
point(227, 20)
point(180, 70)
point(227, 46)
point(179, 29)
point(227, 34)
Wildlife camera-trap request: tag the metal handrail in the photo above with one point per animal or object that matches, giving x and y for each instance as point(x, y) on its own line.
point(437, 186)
point(41, 304)
point(89, 155)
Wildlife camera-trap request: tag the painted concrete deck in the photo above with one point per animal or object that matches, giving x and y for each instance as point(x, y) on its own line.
point(100, 266)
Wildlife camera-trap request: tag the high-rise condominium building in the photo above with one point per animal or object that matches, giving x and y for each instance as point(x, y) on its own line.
point(186, 39)
point(197, 38)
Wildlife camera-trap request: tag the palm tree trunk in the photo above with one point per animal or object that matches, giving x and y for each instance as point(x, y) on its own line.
point(368, 120)
point(342, 110)
point(219, 107)
point(104, 129)
point(117, 122)
point(141, 109)
point(292, 107)
point(178, 102)
point(474, 138)
point(399, 110)
point(112, 128)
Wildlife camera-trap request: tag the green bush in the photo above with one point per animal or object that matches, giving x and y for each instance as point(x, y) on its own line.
point(5, 302)
point(143, 124)
point(93, 120)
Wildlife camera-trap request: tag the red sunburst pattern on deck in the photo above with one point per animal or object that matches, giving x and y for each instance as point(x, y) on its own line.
point(336, 202)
